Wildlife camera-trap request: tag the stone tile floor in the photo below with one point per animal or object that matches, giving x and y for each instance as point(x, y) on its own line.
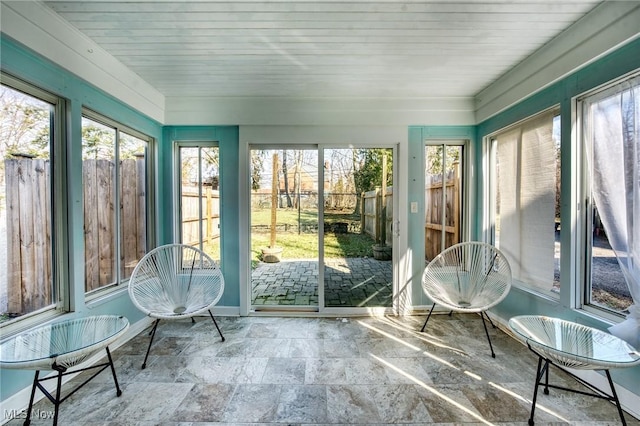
point(326, 371)
point(349, 282)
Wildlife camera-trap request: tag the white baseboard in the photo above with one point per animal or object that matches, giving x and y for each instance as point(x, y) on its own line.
point(19, 402)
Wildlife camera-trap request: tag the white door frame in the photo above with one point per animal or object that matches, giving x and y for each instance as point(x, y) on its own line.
point(291, 136)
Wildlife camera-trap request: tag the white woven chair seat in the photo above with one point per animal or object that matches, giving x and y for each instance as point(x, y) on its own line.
point(468, 277)
point(573, 345)
point(176, 281)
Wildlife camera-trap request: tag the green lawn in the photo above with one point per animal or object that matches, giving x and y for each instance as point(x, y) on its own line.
point(304, 245)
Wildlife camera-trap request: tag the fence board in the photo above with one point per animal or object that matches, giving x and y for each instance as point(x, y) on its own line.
point(27, 255)
point(105, 225)
point(40, 244)
point(91, 241)
point(14, 274)
point(190, 214)
point(370, 202)
point(141, 210)
point(434, 221)
point(129, 224)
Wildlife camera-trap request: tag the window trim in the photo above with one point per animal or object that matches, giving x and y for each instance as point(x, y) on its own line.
point(584, 221)
point(177, 190)
point(59, 218)
point(107, 291)
point(489, 148)
point(465, 200)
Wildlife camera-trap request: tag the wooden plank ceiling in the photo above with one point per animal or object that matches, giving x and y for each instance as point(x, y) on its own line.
point(319, 49)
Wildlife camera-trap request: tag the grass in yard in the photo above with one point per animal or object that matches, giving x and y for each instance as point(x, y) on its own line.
point(262, 217)
point(611, 300)
point(285, 217)
point(305, 244)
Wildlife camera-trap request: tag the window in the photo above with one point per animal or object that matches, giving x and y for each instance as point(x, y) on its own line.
point(525, 200)
point(199, 197)
point(611, 143)
point(29, 133)
point(443, 196)
point(114, 173)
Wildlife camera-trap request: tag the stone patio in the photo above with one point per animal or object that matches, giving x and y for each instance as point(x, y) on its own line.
point(349, 282)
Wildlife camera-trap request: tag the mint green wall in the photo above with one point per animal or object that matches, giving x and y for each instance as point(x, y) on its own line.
point(519, 302)
point(227, 138)
point(30, 67)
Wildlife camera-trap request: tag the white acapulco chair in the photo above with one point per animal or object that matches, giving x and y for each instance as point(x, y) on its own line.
point(469, 277)
point(176, 281)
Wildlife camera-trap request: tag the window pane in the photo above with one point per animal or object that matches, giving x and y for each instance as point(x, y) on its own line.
point(613, 145)
point(527, 202)
point(133, 230)
point(200, 198)
point(443, 198)
point(99, 182)
point(26, 282)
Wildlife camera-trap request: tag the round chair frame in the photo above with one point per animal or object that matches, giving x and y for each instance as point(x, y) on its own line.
point(176, 281)
point(468, 277)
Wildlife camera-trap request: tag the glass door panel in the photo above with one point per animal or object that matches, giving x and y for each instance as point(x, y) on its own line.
point(199, 198)
point(357, 224)
point(443, 198)
point(284, 228)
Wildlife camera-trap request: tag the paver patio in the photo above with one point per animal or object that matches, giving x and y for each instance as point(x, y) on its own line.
point(349, 282)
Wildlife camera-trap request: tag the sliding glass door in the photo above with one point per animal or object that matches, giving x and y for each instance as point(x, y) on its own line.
point(321, 227)
point(358, 227)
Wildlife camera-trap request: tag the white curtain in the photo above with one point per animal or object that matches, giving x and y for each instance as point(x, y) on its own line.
point(526, 187)
point(614, 132)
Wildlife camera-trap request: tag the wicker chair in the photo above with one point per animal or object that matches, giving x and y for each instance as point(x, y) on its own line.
point(469, 277)
point(175, 281)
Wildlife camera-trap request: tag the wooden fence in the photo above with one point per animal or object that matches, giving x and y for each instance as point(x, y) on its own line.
point(28, 234)
point(191, 221)
point(29, 274)
point(372, 209)
point(439, 215)
point(99, 219)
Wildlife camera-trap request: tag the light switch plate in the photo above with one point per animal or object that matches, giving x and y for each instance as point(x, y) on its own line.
point(414, 207)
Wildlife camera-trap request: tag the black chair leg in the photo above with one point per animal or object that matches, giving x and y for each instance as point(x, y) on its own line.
point(428, 316)
point(614, 398)
point(216, 324)
point(487, 315)
point(482, 315)
point(153, 334)
point(539, 374)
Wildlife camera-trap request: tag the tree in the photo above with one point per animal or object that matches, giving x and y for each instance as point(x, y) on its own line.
point(367, 169)
point(98, 142)
point(257, 166)
point(285, 176)
point(434, 159)
point(24, 125)
point(297, 177)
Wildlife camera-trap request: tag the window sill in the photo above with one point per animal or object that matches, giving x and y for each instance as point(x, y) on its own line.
point(106, 296)
point(550, 296)
point(28, 321)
